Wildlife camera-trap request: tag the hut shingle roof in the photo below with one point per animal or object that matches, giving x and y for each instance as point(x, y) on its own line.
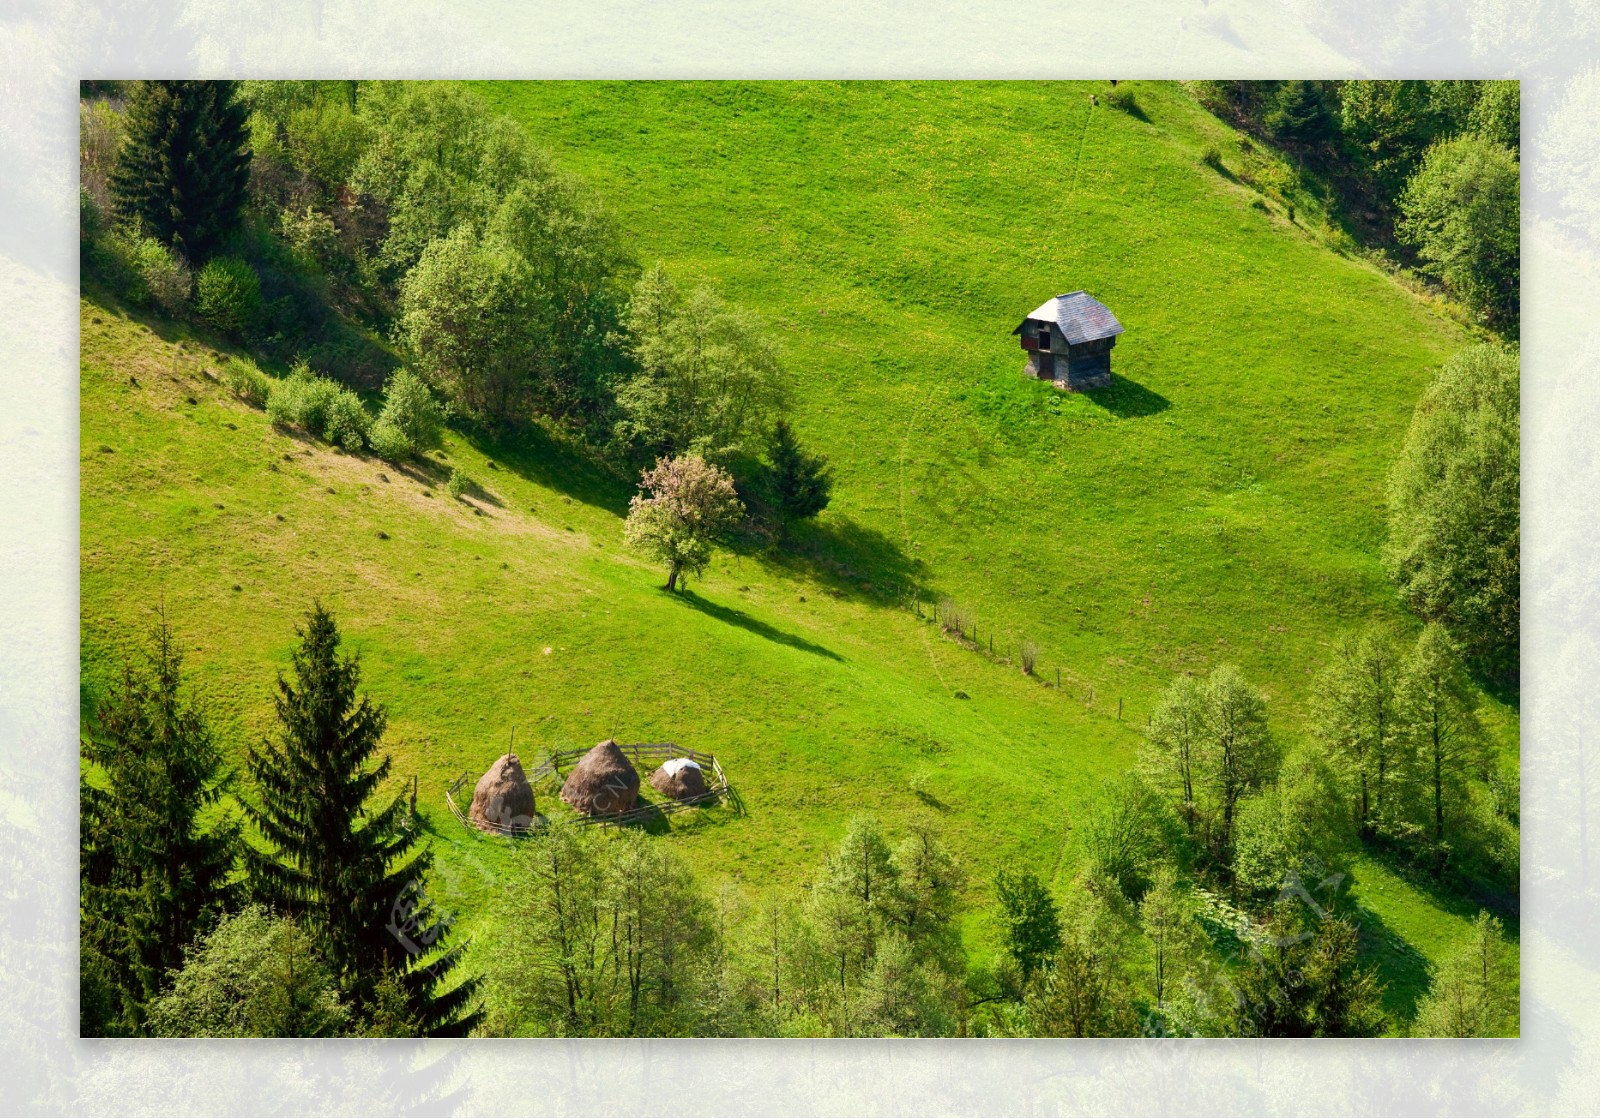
point(1080, 316)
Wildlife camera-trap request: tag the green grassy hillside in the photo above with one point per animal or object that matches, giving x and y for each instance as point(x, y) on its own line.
point(1222, 501)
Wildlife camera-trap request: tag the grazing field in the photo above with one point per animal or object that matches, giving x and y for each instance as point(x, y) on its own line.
point(1222, 501)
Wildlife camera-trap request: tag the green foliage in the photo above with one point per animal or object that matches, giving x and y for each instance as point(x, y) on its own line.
point(1123, 836)
point(458, 484)
point(1442, 729)
point(181, 171)
point(708, 380)
point(228, 295)
point(1463, 212)
point(1475, 990)
point(1497, 114)
point(320, 407)
point(101, 129)
point(1085, 990)
point(254, 975)
point(410, 410)
point(1358, 721)
point(345, 421)
point(1295, 829)
point(346, 867)
point(1173, 937)
point(1030, 919)
point(1303, 978)
point(691, 505)
point(388, 441)
point(1208, 746)
point(607, 938)
point(801, 483)
point(1454, 506)
point(1388, 125)
point(246, 381)
point(160, 279)
point(157, 859)
point(1301, 112)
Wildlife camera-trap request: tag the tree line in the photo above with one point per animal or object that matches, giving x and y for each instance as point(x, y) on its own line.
point(1427, 172)
point(336, 225)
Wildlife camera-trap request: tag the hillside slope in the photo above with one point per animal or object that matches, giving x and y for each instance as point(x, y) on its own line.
point(1223, 501)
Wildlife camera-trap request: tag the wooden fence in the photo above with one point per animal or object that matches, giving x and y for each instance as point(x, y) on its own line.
point(646, 756)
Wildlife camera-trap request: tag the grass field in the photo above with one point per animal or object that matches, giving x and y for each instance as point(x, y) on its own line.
point(1222, 501)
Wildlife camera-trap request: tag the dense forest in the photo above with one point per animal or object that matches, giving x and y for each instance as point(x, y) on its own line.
point(390, 261)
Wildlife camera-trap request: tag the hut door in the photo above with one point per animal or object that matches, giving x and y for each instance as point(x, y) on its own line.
point(1047, 367)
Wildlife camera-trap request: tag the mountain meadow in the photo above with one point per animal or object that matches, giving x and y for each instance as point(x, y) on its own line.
point(973, 645)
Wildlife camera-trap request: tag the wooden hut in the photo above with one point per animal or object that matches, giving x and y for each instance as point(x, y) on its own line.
point(1068, 340)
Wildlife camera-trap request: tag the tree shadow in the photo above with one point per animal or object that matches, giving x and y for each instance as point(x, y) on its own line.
point(754, 625)
point(1128, 399)
point(547, 459)
point(1401, 968)
point(848, 558)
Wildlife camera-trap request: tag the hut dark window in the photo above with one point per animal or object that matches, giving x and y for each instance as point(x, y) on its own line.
point(1044, 337)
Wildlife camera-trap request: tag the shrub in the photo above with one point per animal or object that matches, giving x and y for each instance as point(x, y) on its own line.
point(1028, 653)
point(458, 484)
point(151, 274)
point(1212, 158)
point(228, 295)
point(247, 382)
point(1123, 101)
point(954, 618)
point(410, 408)
point(388, 441)
point(345, 420)
point(312, 233)
point(301, 400)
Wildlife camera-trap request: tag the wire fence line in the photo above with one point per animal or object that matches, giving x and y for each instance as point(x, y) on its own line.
point(549, 772)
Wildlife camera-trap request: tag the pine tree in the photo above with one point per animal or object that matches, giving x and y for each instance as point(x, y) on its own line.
point(801, 483)
point(182, 170)
point(153, 875)
point(349, 869)
point(1300, 112)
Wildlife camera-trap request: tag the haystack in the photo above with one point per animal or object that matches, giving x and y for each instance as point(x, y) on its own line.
point(503, 796)
point(680, 779)
point(603, 783)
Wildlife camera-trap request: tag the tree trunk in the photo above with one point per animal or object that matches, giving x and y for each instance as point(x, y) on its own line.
point(672, 577)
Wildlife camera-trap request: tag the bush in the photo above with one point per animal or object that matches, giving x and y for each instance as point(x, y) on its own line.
point(1028, 653)
point(388, 441)
point(1123, 101)
point(1212, 158)
point(301, 400)
point(409, 408)
point(156, 277)
point(346, 421)
point(228, 295)
point(458, 484)
point(247, 382)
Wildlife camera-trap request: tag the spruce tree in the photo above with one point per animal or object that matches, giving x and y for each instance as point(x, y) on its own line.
point(181, 172)
point(154, 876)
point(801, 484)
point(349, 868)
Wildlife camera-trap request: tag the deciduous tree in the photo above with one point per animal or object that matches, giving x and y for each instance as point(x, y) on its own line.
point(690, 504)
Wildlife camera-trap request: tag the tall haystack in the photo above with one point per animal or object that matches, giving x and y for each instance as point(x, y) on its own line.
point(503, 798)
point(680, 779)
point(603, 783)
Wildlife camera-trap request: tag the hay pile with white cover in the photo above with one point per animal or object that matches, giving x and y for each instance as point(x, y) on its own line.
point(603, 783)
point(503, 798)
point(679, 778)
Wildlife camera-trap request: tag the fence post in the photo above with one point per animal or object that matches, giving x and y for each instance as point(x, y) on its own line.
point(1058, 677)
point(1119, 709)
